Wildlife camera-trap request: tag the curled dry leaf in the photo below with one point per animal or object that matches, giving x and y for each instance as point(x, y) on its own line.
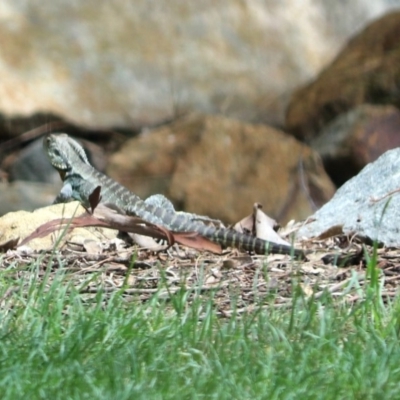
point(260, 225)
point(95, 198)
point(245, 225)
point(264, 227)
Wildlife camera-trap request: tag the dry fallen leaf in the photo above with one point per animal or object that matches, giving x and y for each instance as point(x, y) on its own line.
point(264, 227)
point(332, 231)
point(92, 247)
point(307, 289)
point(260, 225)
point(146, 242)
point(107, 218)
point(245, 225)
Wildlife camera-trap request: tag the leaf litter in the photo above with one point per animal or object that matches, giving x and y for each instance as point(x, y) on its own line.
point(239, 282)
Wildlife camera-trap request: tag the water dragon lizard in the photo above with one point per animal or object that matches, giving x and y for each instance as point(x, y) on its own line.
point(80, 179)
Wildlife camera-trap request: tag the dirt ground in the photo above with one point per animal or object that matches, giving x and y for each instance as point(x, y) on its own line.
point(239, 281)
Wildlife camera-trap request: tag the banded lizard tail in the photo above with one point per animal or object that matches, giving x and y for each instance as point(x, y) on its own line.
point(80, 179)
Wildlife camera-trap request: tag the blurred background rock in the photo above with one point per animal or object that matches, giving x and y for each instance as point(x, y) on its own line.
point(108, 71)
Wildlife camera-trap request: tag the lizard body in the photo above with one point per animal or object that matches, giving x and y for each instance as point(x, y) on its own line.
point(80, 179)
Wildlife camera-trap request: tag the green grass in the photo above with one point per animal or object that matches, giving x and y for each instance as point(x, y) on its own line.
point(57, 344)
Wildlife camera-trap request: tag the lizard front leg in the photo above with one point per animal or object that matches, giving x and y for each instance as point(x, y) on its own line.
point(65, 194)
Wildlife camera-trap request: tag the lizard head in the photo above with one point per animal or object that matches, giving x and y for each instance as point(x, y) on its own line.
point(63, 152)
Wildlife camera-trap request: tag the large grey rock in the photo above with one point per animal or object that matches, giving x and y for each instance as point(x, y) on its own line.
point(368, 204)
point(32, 165)
point(134, 62)
point(24, 195)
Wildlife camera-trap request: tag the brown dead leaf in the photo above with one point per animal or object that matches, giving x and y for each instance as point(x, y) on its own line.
point(107, 218)
point(196, 241)
point(127, 223)
point(332, 231)
point(47, 228)
point(189, 239)
point(95, 198)
point(230, 264)
point(103, 217)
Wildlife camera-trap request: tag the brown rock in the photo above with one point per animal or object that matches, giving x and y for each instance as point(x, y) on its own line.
point(367, 70)
point(354, 139)
point(219, 167)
